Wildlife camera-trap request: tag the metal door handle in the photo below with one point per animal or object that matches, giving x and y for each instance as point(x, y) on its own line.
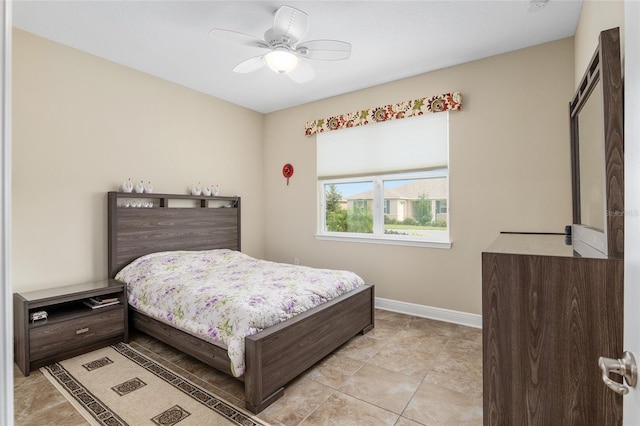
point(625, 367)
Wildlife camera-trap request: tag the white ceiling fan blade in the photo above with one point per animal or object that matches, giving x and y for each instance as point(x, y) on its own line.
point(236, 37)
point(291, 23)
point(324, 50)
point(250, 65)
point(303, 73)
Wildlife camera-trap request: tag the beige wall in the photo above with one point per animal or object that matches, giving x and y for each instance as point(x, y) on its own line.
point(595, 16)
point(82, 125)
point(509, 171)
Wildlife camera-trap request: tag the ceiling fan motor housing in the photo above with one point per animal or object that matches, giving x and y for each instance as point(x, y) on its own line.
point(276, 40)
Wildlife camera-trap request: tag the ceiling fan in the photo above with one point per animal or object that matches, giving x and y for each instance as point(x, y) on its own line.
point(286, 55)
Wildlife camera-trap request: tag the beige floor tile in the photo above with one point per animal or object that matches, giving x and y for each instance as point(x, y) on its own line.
point(435, 405)
point(412, 356)
point(456, 376)
point(300, 399)
point(468, 333)
point(399, 320)
point(462, 344)
point(35, 394)
point(334, 370)
point(386, 328)
point(402, 421)
point(58, 415)
point(431, 327)
point(344, 410)
point(37, 402)
point(381, 313)
point(362, 347)
point(381, 387)
point(459, 367)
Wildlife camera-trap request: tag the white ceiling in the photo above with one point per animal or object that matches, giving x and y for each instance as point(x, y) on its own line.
point(390, 39)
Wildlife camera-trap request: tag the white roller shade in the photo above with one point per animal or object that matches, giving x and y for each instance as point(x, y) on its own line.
point(416, 143)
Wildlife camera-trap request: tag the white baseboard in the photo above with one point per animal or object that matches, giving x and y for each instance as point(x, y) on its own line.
point(439, 314)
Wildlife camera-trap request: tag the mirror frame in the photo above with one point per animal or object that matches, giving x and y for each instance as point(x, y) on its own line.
point(605, 66)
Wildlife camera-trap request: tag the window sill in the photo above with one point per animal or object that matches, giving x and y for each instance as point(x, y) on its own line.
point(386, 241)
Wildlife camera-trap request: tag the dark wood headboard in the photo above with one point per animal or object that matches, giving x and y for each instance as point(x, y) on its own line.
point(198, 223)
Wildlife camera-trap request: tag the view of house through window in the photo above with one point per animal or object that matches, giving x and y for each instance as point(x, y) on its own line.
point(414, 205)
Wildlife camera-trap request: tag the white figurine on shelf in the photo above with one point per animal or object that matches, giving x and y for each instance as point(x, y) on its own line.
point(140, 187)
point(196, 189)
point(215, 191)
point(148, 188)
point(206, 191)
point(127, 185)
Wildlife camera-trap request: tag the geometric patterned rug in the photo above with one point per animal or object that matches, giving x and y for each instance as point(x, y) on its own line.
point(117, 386)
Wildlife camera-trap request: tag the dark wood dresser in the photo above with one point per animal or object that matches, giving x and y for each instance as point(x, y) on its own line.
point(548, 314)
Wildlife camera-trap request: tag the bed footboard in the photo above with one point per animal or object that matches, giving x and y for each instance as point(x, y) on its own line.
point(280, 353)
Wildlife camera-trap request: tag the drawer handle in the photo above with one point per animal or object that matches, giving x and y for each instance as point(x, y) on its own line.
point(82, 330)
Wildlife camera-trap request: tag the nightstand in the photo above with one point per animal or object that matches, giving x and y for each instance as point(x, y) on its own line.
point(72, 326)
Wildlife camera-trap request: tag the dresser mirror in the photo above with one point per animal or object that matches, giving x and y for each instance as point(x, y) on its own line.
point(597, 153)
point(591, 160)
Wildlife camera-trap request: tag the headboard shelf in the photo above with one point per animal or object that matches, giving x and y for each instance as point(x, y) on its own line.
point(164, 198)
point(135, 232)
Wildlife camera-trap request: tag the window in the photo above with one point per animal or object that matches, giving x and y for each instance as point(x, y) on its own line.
point(386, 182)
point(441, 206)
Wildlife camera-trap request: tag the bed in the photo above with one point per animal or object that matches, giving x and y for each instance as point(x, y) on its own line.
point(273, 356)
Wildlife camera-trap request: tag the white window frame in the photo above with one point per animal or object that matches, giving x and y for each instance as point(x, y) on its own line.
point(443, 240)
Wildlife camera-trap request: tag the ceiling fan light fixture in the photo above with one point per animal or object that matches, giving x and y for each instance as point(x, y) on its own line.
point(281, 61)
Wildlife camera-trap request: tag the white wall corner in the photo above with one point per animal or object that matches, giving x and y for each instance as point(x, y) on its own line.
point(439, 314)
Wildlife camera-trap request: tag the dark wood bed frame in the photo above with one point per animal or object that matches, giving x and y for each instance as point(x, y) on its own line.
point(274, 356)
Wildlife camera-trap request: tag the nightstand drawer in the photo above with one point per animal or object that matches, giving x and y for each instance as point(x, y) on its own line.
point(51, 338)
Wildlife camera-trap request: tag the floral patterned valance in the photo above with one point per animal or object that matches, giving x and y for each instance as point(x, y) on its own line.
point(445, 102)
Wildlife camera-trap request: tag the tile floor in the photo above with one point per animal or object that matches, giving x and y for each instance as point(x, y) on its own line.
point(407, 371)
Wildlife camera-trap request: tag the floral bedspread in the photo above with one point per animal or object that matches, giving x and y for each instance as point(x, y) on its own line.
point(225, 295)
